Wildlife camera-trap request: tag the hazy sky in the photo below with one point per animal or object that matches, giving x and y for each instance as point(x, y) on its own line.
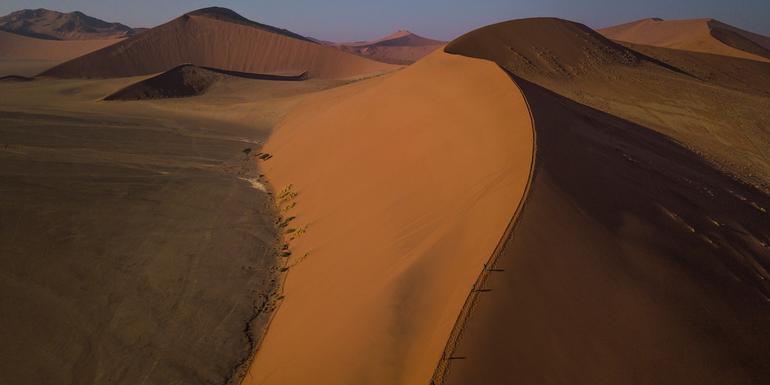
point(345, 20)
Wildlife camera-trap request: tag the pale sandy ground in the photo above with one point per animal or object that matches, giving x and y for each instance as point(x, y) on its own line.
point(209, 41)
point(699, 35)
point(406, 184)
point(136, 244)
point(26, 56)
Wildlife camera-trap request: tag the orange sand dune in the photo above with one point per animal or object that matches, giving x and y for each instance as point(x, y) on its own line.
point(403, 210)
point(18, 48)
point(700, 35)
point(222, 39)
point(633, 260)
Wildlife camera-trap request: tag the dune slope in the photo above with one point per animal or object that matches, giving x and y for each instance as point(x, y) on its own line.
point(221, 39)
point(402, 211)
point(700, 35)
point(633, 260)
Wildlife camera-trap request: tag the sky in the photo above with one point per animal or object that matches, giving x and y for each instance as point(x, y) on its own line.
point(348, 20)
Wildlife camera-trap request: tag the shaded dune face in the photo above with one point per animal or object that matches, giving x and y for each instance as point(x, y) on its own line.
point(700, 35)
point(185, 81)
point(404, 183)
point(199, 39)
point(633, 259)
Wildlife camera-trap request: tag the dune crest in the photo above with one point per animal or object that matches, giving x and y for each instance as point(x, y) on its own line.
point(402, 211)
point(634, 259)
point(220, 39)
point(699, 35)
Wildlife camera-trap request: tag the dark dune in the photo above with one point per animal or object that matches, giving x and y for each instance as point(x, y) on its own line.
point(186, 80)
point(15, 78)
point(217, 38)
point(402, 47)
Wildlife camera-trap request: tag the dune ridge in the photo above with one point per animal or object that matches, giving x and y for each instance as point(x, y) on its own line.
point(402, 211)
point(662, 263)
point(699, 35)
point(197, 38)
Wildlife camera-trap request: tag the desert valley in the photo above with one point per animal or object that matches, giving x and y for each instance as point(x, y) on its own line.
point(216, 200)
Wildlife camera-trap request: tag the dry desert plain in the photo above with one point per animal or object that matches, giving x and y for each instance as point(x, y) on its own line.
point(219, 201)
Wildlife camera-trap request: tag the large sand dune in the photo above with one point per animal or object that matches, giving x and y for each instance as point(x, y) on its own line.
point(634, 260)
point(406, 184)
point(700, 35)
point(22, 55)
point(715, 105)
point(218, 38)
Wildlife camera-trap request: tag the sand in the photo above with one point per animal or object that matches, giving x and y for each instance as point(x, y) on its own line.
point(634, 260)
point(22, 55)
point(699, 35)
point(220, 40)
point(401, 47)
point(404, 184)
point(135, 243)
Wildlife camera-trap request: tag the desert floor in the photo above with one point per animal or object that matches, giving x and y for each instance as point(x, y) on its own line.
point(120, 217)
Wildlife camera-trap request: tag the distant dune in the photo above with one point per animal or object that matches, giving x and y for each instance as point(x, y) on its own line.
point(402, 47)
point(634, 259)
point(218, 38)
point(22, 55)
point(699, 35)
point(184, 81)
point(47, 24)
point(406, 183)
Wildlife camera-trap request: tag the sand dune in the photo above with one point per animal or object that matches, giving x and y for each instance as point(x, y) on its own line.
point(634, 260)
point(22, 55)
point(219, 38)
point(700, 35)
point(402, 47)
point(186, 80)
point(402, 210)
point(699, 105)
point(47, 24)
